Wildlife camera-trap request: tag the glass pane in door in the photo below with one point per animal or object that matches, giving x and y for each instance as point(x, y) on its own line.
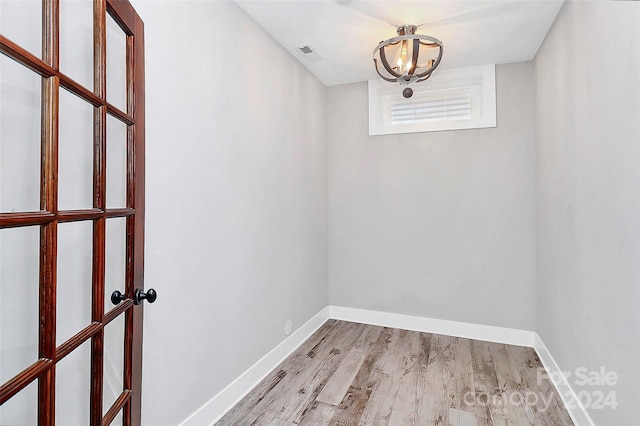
point(116, 163)
point(19, 266)
point(21, 22)
point(117, 420)
point(75, 151)
point(75, 245)
point(22, 408)
point(73, 384)
point(115, 258)
point(19, 137)
point(76, 40)
point(113, 362)
point(116, 65)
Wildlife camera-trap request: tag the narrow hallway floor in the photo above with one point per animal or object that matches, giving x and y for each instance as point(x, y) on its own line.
point(357, 374)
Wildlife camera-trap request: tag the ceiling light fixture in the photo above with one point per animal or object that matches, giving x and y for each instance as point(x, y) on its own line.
point(408, 58)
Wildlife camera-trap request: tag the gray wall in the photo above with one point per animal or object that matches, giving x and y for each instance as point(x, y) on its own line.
point(588, 217)
point(236, 240)
point(438, 224)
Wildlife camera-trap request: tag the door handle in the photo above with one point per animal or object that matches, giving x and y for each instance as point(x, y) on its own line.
point(117, 297)
point(139, 296)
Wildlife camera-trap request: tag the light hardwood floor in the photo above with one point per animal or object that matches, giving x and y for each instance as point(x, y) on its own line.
point(357, 374)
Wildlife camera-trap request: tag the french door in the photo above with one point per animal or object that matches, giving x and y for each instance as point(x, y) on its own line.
point(71, 212)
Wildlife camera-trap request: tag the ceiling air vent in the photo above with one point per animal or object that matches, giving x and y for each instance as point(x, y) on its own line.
point(308, 52)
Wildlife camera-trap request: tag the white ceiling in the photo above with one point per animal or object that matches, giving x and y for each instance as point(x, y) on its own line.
point(345, 32)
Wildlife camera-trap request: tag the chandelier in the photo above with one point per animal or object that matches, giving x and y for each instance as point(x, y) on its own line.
point(408, 58)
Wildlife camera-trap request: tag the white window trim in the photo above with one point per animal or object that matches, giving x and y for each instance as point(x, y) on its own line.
point(440, 79)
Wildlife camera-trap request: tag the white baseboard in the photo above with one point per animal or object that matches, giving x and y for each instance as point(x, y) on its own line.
point(217, 406)
point(571, 402)
point(489, 333)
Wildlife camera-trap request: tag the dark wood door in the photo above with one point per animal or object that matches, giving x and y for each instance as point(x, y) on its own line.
point(83, 368)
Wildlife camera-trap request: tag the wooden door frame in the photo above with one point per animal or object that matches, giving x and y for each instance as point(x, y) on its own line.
point(48, 217)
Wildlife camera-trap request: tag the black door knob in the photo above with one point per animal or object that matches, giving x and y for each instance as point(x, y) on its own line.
point(117, 297)
point(139, 295)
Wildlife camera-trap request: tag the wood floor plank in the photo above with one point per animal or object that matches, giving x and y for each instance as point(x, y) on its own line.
point(458, 376)
point(265, 394)
point(310, 381)
point(533, 398)
point(318, 414)
point(358, 395)
point(389, 370)
point(512, 403)
point(406, 409)
point(303, 402)
point(383, 358)
point(357, 374)
point(341, 379)
point(462, 418)
point(484, 380)
point(350, 409)
point(476, 401)
point(551, 410)
point(434, 402)
point(268, 384)
point(305, 376)
point(280, 422)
